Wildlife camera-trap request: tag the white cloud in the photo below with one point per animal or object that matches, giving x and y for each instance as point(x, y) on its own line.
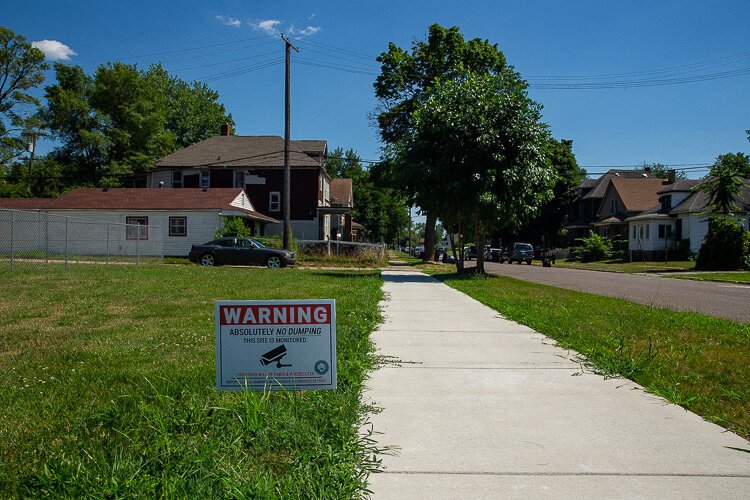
point(229, 21)
point(54, 50)
point(268, 26)
point(310, 30)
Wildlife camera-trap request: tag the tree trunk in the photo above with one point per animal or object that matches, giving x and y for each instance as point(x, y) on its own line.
point(429, 237)
point(479, 242)
point(460, 259)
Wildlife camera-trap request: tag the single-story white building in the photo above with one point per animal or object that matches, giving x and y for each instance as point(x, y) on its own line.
point(122, 221)
point(681, 215)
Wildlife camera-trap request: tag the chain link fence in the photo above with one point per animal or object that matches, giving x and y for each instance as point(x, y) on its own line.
point(30, 239)
point(368, 254)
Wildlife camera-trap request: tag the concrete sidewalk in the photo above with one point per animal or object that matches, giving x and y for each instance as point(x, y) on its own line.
point(476, 406)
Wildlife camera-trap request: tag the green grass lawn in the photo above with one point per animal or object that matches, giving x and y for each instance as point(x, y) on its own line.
point(629, 267)
point(697, 361)
point(738, 277)
point(108, 377)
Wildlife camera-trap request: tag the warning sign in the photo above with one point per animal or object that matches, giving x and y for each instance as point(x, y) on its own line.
point(275, 345)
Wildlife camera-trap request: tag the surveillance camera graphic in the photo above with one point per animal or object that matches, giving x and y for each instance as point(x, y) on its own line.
point(276, 355)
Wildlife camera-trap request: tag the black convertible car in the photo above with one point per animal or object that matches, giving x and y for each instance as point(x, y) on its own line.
point(240, 251)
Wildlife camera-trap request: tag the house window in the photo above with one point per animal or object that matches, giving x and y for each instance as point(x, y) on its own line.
point(178, 226)
point(612, 206)
point(665, 231)
point(648, 229)
point(666, 203)
point(274, 201)
point(635, 233)
point(176, 179)
point(136, 228)
point(640, 232)
point(205, 179)
point(239, 179)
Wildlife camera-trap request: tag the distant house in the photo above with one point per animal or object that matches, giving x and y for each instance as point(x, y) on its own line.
point(680, 215)
point(623, 198)
point(255, 164)
point(184, 217)
point(587, 209)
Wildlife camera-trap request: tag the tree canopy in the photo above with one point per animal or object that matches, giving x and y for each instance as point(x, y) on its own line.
point(21, 69)
point(381, 210)
point(121, 119)
point(725, 182)
point(402, 84)
point(478, 149)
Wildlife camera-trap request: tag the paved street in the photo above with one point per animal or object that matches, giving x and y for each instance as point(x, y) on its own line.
point(476, 406)
point(716, 299)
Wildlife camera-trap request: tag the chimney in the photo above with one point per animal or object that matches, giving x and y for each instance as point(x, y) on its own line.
point(226, 129)
point(672, 176)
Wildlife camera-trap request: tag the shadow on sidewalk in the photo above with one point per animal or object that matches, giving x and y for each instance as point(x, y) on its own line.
point(408, 278)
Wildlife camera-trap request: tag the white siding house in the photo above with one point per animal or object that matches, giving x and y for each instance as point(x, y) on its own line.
point(127, 220)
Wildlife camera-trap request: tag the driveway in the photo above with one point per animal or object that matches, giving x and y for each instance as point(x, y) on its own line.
point(724, 300)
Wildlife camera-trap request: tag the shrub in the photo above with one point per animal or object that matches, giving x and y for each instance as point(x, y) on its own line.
point(725, 246)
point(594, 247)
point(233, 227)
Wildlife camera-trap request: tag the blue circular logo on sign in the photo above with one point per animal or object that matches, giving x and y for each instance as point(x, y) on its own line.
point(321, 367)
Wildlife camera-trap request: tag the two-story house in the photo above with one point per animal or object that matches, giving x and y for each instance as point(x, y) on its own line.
point(255, 163)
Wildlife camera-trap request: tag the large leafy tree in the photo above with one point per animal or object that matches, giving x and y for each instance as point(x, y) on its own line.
point(546, 226)
point(119, 120)
point(381, 210)
point(725, 182)
point(405, 78)
point(478, 143)
point(21, 69)
point(193, 111)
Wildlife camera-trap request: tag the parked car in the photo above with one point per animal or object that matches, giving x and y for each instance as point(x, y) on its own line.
point(470, 252)
point(492, 254)
point(418, 251)
point(241, 251)
point(518, 252)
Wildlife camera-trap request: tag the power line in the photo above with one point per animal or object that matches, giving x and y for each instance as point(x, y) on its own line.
point(706, 64)
point(180, 50)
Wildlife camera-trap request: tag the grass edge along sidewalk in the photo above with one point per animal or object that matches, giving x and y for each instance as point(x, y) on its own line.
point(107, 388)
point(696, 361)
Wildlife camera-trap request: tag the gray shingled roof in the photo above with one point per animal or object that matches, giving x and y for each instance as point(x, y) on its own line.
point(698, 201)
point(680, 185)
point(313, 147)
point(241, 151)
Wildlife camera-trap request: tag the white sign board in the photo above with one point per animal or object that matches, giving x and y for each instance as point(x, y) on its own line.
point(275, 344)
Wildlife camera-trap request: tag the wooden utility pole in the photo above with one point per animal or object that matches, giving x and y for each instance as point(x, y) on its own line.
point(287, 146)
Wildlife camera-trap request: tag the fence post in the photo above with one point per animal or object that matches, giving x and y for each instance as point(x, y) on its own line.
point(107, 261)
point(137, 244)
point(66, 243)
point(12, 228)
point(46, 238)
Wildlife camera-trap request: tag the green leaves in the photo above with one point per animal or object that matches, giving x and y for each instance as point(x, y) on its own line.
point(724, 182)
point(120, 120)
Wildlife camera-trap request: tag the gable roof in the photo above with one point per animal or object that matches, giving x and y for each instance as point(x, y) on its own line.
point(341, 192)
point(638, 194)
point(602, 184)
point(225, 199)
point(244, 151)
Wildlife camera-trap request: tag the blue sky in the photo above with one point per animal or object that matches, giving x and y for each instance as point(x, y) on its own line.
point(551, 42)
